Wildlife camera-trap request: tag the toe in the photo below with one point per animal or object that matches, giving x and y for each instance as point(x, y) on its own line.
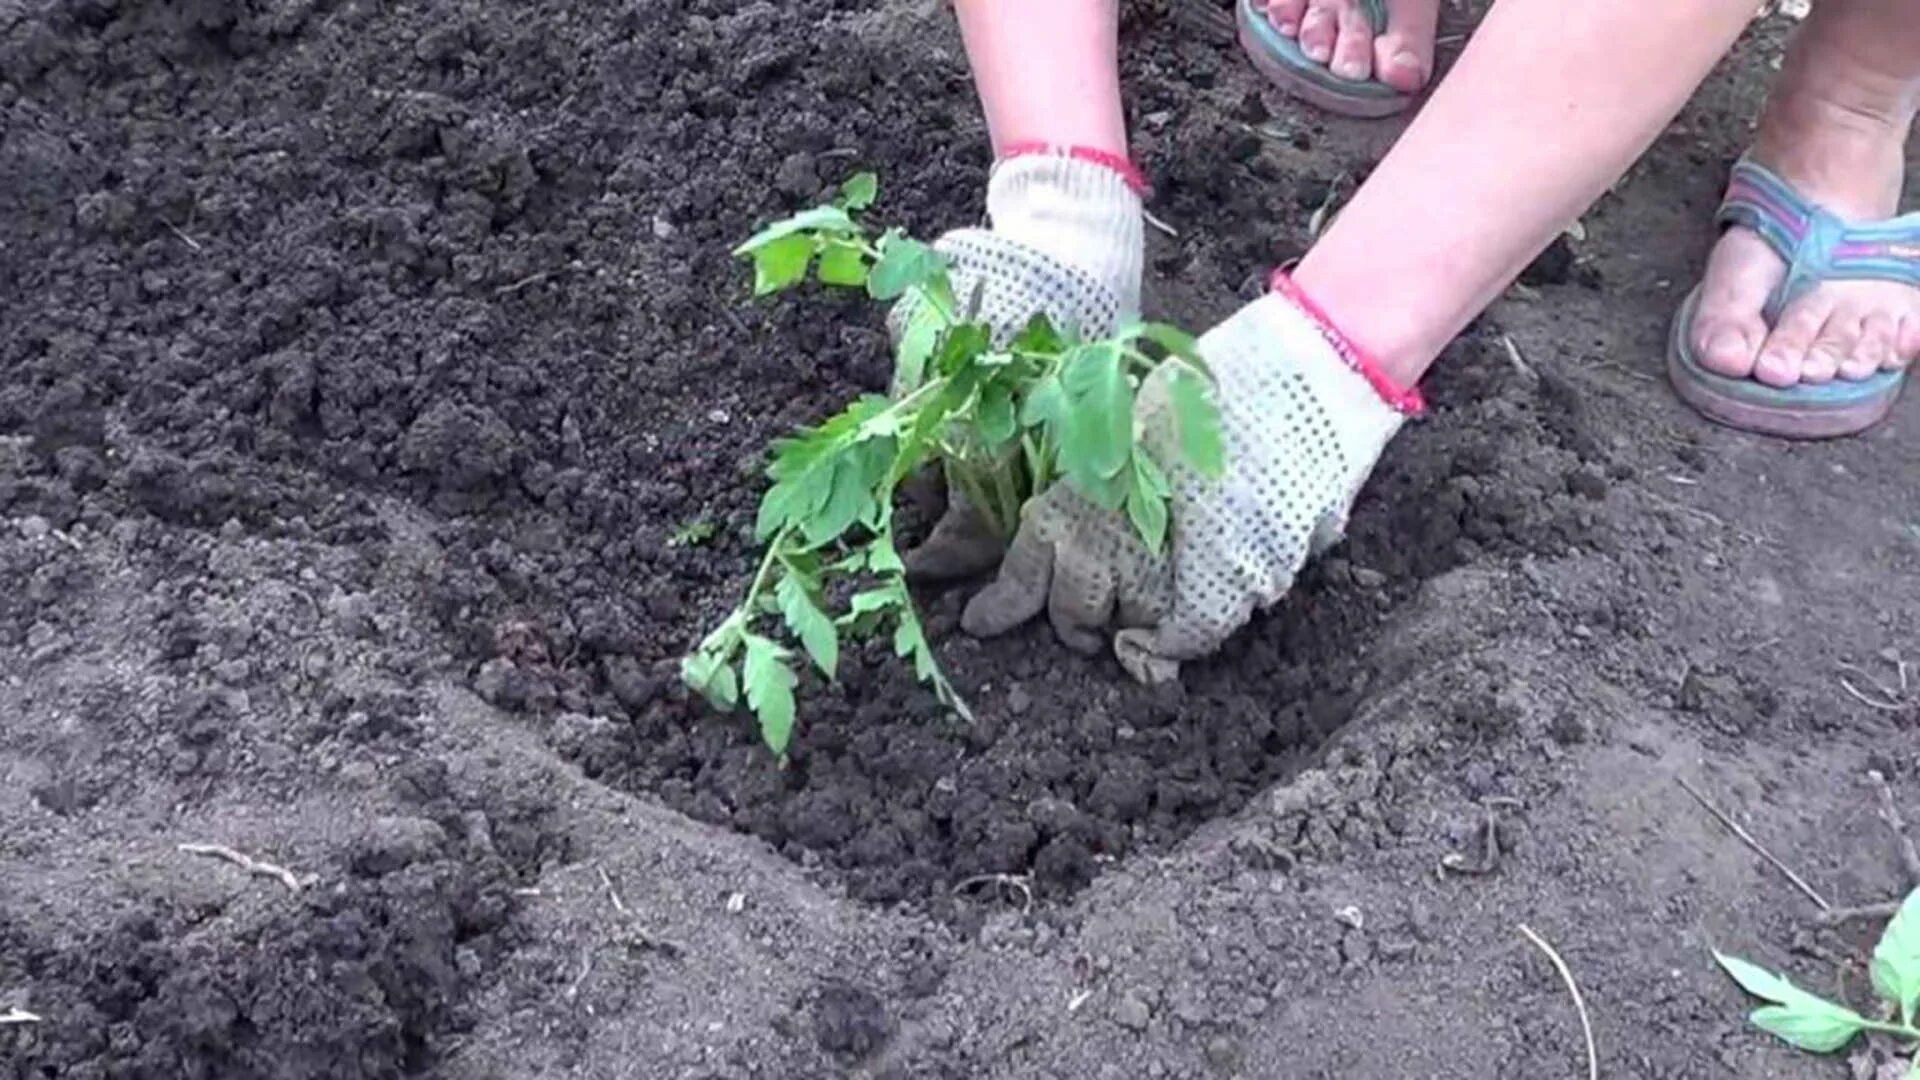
point(1353, 48)
point(1319, 28)
point(1906, 342)
point(1784, 356)
point(1727, 325)
point(1873, 349)
point(1403, 55)
point(1832, 347)
point(1728, 346)
point(1286, 15)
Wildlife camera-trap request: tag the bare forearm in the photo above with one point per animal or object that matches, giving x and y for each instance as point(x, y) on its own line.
point(1047, 72)
point(1550, 103)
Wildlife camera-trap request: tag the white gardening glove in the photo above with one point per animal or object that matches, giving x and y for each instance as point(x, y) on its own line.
point(1065, 241)
point(1303, 428)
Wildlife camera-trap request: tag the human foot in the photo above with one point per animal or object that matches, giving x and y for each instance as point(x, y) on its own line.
point(1835, 133)
point(1343, 35)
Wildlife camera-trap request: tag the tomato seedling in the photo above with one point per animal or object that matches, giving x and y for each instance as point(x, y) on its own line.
point(1003, 419)
point(1811, 1022)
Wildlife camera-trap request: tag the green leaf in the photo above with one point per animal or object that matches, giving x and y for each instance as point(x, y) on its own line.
point(1758, 981)
point(1896, 959)
point(904, 263)
point(1098, 434)
point(709, 674)
point(995, 414)
point(859, 191)
point(811, 625)
point(917, 343)
point(1107, 492)
point(769, 685)
point(781, 264)
point(910, 640)
point(1146, 507)
point(843, 263)
point(1803, 1019)
point(963, 344)
point(1038, 336)
point(865, 609)
point(1197, 419)
point(827, 219)
point(882, 558)
point(1816, 1025)
point(847, 500)
point(1046, 404)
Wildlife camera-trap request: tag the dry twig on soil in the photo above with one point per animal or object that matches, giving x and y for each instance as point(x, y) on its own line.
point(1579, 1003)
point(1007, 882)
point(1909, 859)
point(1746, 838)
point(245, 862)
point(18, 1016)
point(613, 894)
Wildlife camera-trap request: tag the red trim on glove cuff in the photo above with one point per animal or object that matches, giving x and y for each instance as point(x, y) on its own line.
point(1406, 400)
point(1106, 159)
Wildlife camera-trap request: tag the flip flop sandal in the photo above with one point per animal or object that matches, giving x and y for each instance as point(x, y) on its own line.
point(1817, 246)
point(1281, 59)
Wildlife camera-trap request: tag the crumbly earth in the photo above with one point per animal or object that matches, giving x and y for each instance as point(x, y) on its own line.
point(359, 363)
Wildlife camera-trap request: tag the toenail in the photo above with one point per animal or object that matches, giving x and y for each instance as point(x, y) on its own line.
point(1406, 59)
point(1726, 343)
point(1348, 68)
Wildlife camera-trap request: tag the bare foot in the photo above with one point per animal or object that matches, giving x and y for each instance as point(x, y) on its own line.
point(1836, 130)
point(1338, 33)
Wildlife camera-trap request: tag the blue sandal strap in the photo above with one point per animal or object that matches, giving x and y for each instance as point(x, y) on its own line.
point(1816, 245)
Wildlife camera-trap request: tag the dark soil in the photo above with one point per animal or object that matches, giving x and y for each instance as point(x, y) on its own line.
point(359, 361)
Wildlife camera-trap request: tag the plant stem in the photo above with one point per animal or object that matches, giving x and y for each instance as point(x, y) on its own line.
point(977, 496)
point(1007, 490)
point(766, 567)
point(1899, 1031)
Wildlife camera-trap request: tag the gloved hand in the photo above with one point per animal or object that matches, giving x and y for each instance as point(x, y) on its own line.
point(1304, 418)
point(1065, 241)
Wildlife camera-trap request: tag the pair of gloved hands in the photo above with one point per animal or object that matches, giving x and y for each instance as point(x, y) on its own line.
point(1302, 425)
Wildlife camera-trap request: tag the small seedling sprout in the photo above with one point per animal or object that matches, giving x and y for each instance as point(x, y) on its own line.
point(1004, 421)
point(1813, 1023)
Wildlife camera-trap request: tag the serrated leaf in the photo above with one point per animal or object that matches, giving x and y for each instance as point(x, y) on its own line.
point(904, 263)
point(859, 191)
point(842, 263)
point(1097, 436)
point(865, 609)
point(1758, 981)
point(847, 499)
point(1896, 959)
point(1197, 419)
point(1816, 1025)
point(917, 342)
point(827, 219)
point(769, 683)
point(1801, 1018)
point(1147, 503)
point(781, 264)
point(808, 623)
point(995, 417)
point(877, 599)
